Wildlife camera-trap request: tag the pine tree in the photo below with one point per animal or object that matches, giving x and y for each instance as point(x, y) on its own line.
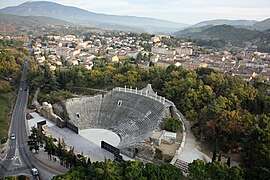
point(219, 157)
point(229, 162)
point(88, 162)
point(34, 139)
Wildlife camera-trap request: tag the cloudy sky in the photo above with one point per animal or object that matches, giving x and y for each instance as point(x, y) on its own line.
point(185, 11)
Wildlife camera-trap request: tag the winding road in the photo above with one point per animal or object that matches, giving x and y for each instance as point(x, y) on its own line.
point(19, 160)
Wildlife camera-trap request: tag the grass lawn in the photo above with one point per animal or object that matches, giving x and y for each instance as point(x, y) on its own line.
point(5, 108)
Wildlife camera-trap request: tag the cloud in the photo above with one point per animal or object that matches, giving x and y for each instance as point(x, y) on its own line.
point(187, 11)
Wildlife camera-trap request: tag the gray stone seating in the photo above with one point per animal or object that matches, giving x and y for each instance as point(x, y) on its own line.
point(88, 109)
point(182, 165)
point(133, 119)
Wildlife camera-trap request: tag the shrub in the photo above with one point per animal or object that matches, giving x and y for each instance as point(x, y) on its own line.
point(54, 96)
point(172, 125)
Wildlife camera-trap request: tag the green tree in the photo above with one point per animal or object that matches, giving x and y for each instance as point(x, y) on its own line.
point(217, 170)
point(50, 81)
point(138, 58)
point(35, 139)
point(168, 172)
point(131, 78)
point(49, 146)
point(256, 143)
point(119, 79)
point(197, 170)
point(151, 171)
point(133, 170)
point(61, 151)
point(172, 124)
point(82, 161)
point(108, 171)
point(214, 157)
point(257, 173)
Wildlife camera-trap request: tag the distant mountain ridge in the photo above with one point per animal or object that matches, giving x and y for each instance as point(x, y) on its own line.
point(30, 20)
point(208, 29)
point(87, 18)
point(263, 25)
point(226, 35)
point(227, 22)
point(78, 16)
point(227, 32)
point(248, 24)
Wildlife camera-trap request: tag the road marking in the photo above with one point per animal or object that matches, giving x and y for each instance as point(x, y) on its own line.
point(19, 146)
point(17, 161)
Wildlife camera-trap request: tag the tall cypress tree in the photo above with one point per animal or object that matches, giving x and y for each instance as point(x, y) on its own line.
point(214, 154)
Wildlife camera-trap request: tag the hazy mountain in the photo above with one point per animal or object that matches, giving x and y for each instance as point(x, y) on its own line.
point(247, 24)
point(83, 17)
point(30, 20)
point(208, 29)
point(224, 35)
point(227, 22)
point(263, 25)
point(191, 31)
point(227, 32)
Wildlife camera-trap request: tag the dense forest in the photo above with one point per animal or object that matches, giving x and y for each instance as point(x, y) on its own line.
point(198, 170)
point(112, 170)
point(11, 58)
point(226, 112)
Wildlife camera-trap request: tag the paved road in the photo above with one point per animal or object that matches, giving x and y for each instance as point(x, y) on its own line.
point(19, 160)
point(189, 146)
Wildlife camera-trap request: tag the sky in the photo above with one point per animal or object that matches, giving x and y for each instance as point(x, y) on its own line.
point(183, 11)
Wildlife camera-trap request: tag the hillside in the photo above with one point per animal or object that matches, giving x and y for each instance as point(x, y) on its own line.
point(83, 17)
point(220, 31)
point(263, 25)
point(247, 24)
point(30, 20)
point(230, 33)
point(238, 23)
point(191, 31)
point(224, 35)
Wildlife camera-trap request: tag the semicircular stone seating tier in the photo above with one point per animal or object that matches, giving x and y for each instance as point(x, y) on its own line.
point(132, 116)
